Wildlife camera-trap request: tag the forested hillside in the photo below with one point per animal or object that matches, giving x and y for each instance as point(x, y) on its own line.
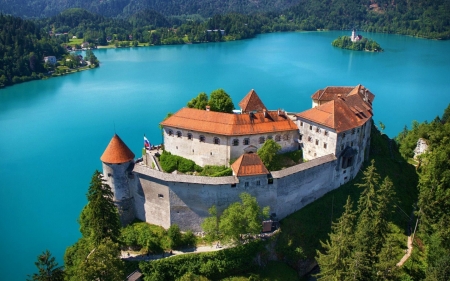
point(124, 8)
point(22, 48)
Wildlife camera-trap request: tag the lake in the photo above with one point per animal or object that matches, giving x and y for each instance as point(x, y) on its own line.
point(53, 132)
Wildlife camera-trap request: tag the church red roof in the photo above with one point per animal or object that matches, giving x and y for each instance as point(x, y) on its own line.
point(117, 152)
point(249, 165)
point(252, 102)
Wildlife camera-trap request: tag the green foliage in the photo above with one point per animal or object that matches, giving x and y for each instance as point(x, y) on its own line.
point(143, 236)
point(192, 277)
point(216, 171)
point(365, 44)
point(213, 265)
point(100, 216)
point(199, 102)
point(267, 153)
point(103, 263)
point(91, 58)
point(239, 218)
point(22, 47)
point(48, 269)
point(174, 235)
point(220, 101)
point(170, 163)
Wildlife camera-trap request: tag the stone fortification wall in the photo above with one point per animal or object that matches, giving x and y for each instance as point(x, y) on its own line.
point(167, 199)
point(120, 178)
point(300, 185)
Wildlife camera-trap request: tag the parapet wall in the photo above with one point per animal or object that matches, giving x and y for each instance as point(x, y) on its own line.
point(165, 199)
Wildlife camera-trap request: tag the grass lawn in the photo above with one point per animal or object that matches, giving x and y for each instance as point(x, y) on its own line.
point(75, 41)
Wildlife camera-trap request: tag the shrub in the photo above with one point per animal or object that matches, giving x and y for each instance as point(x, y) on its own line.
point(170, 163)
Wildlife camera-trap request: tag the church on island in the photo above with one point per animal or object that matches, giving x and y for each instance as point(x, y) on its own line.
point(334, 136)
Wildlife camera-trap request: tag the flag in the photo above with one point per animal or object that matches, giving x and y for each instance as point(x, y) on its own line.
point(146, 143)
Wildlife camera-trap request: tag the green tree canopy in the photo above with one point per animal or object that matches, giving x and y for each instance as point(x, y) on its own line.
point(239, 218)
point(199, 102)
point(267, 153)
point(220, 101)
point(48, 268)
point(100, 218)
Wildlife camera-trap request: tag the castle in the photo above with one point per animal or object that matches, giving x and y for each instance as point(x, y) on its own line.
point(334, 136)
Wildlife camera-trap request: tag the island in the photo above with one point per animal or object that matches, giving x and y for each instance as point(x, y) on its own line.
point(357, 43)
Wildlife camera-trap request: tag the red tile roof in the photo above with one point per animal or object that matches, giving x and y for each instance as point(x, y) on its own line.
point(117, 152)
point(345, 110)
point(252, 102)
point(249, 165)
point(228, 124)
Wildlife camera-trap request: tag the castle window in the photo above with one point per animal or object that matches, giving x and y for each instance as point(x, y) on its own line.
point(310, 127)
point(301, 123)
point(235, 142)
point(286, 137)
point(277, 138)
point(317, 130)
point(258, 182)
point(216, 140)
point(233, 185)
point(353, 131)
point(343, 135)
point(189, 135)
point(300, 138)
point(178, 134)
point(170, 133)
point(325, 145)
point(309, 138)
point(202, 138)
point(246, 141)
point(246, 184)
point(325, 133)
point(270, 180)
point(262, 140)
point(317, 142)
point(160, 196)
point(357, 130)
point(270, 137)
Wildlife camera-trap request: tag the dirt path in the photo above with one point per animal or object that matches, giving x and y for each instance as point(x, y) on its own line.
point(133, 256)
point(407, 253)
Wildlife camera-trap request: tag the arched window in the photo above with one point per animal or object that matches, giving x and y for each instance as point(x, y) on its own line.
point(179, 134)
point(216, 140)
point(262, 140)
point(286, 137)
point(235, 142)
point(277, 138)
point(189, 135)
point(270, 137)
point(202, 138)
point(170, 133)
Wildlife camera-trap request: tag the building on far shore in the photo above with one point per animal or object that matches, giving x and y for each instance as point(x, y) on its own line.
point(334, 136)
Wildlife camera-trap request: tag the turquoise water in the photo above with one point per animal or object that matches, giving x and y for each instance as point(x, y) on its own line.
point(53, 132)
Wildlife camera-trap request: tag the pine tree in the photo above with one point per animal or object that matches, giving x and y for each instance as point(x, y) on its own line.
point(100, 217)
point(48, 268)
point(334, 261)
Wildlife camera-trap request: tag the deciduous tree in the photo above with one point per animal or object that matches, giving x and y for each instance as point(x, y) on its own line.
point(220, 101)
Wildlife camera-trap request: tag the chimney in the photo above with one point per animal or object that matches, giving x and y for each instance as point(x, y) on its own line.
point(208, 108)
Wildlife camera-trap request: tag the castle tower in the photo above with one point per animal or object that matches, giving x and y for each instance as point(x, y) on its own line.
point(118, 164)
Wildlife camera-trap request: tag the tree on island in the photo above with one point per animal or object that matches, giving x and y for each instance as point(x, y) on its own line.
point(365, 44)
point(48, 268)
point(218, 101)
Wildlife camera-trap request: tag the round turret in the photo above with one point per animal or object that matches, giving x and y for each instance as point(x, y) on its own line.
point(118, 164)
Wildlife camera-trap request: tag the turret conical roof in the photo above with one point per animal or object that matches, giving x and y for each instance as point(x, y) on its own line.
point(117, 152)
